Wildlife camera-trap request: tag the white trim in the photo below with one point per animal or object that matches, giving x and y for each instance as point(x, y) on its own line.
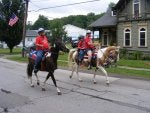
point(145, 36)
point(124, 37)
point(112, 13)
point(139, 8)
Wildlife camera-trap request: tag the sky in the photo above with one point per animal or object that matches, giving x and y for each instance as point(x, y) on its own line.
point(96, 7)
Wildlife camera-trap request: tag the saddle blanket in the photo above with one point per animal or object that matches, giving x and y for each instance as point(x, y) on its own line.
point(94, 55)
point(32, 54)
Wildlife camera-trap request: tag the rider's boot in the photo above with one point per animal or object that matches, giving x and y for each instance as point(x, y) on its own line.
point(35, 69)
point(89, 66)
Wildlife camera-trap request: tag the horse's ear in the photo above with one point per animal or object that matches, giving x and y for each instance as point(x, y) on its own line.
point(54, 45)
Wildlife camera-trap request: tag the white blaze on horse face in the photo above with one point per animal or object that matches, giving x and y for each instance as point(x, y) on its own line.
point(48, 55)
point(101, 52)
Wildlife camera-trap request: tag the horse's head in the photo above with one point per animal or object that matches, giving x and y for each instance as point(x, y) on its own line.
point(114, 54)
point(60, 46)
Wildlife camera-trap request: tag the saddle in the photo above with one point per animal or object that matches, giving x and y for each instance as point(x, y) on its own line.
point(42, 65)
point(94, 55)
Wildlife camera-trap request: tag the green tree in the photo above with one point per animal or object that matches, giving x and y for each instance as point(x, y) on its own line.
point(111, 4)
point(12, 36)
point(57, 31)
point(42, 21)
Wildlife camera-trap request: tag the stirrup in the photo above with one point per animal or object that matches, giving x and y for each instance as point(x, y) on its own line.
point(89, 67)
point(35, 70)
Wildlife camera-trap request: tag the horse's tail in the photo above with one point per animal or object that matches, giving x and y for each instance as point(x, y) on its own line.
point(29, 69)
point(70, 57)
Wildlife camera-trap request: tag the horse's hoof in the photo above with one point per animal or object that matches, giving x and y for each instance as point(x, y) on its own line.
point(95, 82)
point(43, 89)
point(59, 93)
point(80, 80)
point(32, 85)
point(107, 83)
point(38, 83)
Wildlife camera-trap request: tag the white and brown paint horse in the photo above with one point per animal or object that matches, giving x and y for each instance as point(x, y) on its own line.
point(102, 57)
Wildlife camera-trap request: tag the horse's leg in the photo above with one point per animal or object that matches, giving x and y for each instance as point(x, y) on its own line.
point(29, 72)
point(104, 71)
point(37, 78)
point(77, 72)
point(43, 86)
point(54, 81)
point(72, 71)
point(31, 83)
point(94, 81)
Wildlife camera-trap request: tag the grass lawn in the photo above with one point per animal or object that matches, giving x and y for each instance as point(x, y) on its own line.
point(129, 72)
point(7, 51)
point(135, 63)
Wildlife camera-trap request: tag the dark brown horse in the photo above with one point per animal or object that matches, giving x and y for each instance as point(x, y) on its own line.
point(49, 64)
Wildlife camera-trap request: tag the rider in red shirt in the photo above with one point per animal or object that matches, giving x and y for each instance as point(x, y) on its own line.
point(89, 47)
point(41, 42)
point(42, 45)
point(81, 48)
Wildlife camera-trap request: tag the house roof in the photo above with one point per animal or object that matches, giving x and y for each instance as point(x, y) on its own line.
point(33, 33)
point(74, 30)
point(106, 20)
point(120, 3)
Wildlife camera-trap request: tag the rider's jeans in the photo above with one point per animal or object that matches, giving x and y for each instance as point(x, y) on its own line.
point(81, 54)
point(38, 58)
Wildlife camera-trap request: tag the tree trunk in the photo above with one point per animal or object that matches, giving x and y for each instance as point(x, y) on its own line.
point(11, 50)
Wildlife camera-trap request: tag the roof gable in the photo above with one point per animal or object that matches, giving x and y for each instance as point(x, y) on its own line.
point(121, 3)
point(106, 20)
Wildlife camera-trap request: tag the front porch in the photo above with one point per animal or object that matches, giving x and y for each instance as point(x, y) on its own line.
point(107, 35)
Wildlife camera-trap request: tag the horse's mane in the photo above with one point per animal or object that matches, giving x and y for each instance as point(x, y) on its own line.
point(104, 53)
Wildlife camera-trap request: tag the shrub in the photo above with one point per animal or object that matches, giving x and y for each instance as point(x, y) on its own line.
point(137, 55)
point(123, 53)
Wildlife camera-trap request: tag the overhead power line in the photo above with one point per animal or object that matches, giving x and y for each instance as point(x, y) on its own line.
point(64, 5)
point(34, 4)
point(40, 0)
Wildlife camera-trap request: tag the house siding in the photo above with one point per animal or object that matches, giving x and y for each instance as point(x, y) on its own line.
point(134, 26)
point(148, 35)
point(142, 6)
point(120, 34)
point(148, 7)
point(126, 14)
point(126, 20)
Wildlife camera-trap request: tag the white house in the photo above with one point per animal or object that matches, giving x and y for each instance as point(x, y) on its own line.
point(74, 31)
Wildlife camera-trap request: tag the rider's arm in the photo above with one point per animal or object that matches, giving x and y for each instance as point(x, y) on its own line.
point(38, 42)
point(40, 45)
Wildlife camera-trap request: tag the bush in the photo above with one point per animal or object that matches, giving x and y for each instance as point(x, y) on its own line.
point(145, 57)
point(123, 53)
point(133, 55)
point(137, 55)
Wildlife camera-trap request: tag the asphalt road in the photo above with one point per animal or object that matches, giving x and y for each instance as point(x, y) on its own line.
point(122, 96)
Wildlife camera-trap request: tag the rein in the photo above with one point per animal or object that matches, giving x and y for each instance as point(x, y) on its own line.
point(105, 56)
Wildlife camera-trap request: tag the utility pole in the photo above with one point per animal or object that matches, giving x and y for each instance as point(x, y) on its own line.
point(24, 26)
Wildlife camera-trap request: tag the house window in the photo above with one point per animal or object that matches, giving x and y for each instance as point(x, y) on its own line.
point(136, 8)
point(142, 37)
point(113, 13)
point(105, 40)
point(127, 37)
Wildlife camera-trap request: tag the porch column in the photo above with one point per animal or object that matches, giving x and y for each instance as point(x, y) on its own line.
point(100, 35)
